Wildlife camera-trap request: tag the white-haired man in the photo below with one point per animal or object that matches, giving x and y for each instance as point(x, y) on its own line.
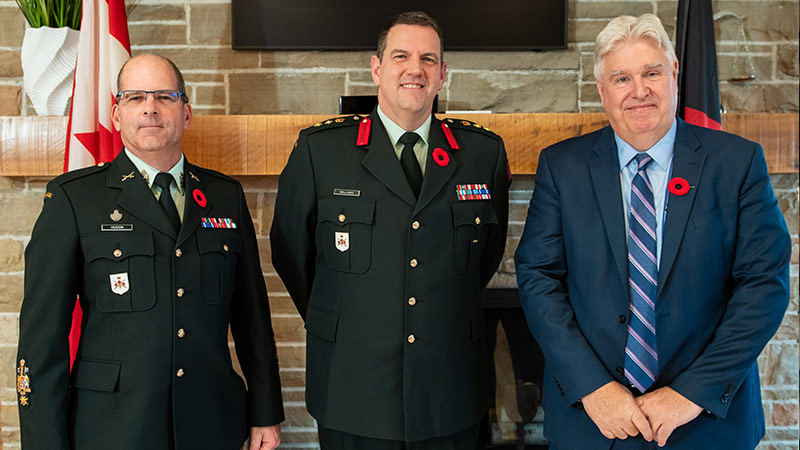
point(651, 321)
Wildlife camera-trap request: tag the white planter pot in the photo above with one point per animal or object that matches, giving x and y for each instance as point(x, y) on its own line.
point(48, 64)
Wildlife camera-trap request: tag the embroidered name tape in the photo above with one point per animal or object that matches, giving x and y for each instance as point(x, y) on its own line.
point(216, 222)
point(473, 192)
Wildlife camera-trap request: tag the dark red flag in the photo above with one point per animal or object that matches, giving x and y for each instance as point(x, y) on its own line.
point(698, 80)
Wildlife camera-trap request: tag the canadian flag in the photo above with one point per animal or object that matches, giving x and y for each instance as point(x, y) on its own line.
point(103, 48)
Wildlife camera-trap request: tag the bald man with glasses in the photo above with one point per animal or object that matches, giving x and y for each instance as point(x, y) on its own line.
point(163, 257)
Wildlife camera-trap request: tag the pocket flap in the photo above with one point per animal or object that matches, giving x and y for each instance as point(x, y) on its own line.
point(219, 241)
point(475, 213)
point(346, 210)
point(96, 375)
point(117, 246)
point(322, 324)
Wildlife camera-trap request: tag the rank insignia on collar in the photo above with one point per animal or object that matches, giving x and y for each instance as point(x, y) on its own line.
point(23, 384)
point(145, 176)
point(217, 222)
point(116, 216)
point(128, 176)
point(181, 180)
point(473, 192)
point(119, 283)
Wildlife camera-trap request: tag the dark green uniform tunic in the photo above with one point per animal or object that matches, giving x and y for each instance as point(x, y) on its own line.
point(153, 368)
point(388, 284)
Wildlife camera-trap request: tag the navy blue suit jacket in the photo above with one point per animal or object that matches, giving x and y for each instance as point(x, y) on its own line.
point(723, 284)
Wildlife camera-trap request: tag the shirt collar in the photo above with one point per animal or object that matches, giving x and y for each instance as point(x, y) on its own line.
point(661, 152)
point(395, 131)
point(149, 172)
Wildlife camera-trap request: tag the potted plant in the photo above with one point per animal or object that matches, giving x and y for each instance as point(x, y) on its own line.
point(48, 54)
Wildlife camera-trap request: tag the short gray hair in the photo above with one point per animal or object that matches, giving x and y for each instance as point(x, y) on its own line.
point(626, 28)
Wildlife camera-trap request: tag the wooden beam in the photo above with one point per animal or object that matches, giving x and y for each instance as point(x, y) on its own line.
point(260, 145)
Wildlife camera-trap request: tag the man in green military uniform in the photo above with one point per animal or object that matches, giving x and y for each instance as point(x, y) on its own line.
point(163, 256)
point(386, 227)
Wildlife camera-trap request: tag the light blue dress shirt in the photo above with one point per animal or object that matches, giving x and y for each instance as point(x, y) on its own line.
point(149, 174)
point(659, 173)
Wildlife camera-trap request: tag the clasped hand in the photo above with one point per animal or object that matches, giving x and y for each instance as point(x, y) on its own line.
point(655, 415)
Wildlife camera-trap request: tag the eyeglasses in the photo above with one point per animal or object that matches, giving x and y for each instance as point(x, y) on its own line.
point(137, 97)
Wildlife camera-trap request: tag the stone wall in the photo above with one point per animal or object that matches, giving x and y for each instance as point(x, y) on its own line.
point(196, 35)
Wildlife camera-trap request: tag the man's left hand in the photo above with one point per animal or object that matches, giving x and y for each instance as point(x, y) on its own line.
point(265, 438)
point(666, 410)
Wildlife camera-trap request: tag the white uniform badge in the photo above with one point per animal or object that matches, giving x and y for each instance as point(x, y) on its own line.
point(342, 241)
point(119, 283)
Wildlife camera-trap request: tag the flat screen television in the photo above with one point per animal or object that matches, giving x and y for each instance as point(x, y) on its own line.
point(354, 25)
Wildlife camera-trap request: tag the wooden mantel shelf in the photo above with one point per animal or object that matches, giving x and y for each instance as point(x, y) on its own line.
point(260, 145)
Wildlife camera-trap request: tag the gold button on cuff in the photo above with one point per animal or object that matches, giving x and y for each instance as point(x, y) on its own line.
point(477, 221)
point(117, 253)
point(342, 218)
point(181, 333)
point(415, 225)
point(180, 292)
point(225, 247)
point(178, 253)
point(179, 373)
point(412, 301)
point(413, 263)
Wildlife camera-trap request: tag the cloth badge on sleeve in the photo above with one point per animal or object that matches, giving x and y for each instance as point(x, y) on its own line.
point(473, 192)
point(119, 283)
point(217, 222)
point(23, 384)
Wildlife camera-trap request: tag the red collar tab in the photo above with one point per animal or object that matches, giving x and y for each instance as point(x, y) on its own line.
point(363, 132)
point(450, 138)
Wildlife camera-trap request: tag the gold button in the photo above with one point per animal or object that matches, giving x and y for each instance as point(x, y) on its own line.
point(413, 263)
point(412, 301)
point(411, 339)
point(415, 225)
point(180, 292)
point(181, 333)
point(477, 221)
point(179, 373)
point(117, 253)
point(178, 253)
point(225, 247)
point(342, 218)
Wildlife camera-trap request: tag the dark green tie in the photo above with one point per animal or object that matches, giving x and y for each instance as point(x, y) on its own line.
point(409, 162)
point(163, 180)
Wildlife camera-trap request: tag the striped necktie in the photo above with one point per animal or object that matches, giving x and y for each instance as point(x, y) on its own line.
point(641, 353)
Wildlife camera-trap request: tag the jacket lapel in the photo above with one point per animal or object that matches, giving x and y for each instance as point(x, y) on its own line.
point(436, 176)
point(604, 169)
point(193, 211)
point(135, 196)
point(687, 163)
point(382, 162)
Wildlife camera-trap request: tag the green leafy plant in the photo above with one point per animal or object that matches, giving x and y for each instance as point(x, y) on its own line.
point(52, 13)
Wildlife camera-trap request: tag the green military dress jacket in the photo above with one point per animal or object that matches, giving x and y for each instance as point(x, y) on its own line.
point(153, 369)
point(389, 284)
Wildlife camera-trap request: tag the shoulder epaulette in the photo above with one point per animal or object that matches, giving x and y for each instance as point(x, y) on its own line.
point(335, 123)
point(80, 173)
point(469, 125)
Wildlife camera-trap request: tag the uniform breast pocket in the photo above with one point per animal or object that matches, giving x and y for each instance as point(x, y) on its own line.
point(122, 268)
point(219, 255)
point(471, 221)
point(345, 228)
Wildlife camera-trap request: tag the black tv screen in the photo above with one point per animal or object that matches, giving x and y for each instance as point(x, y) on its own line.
point(355, 24)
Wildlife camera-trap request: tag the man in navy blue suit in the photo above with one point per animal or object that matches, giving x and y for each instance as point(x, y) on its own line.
point(653, 268)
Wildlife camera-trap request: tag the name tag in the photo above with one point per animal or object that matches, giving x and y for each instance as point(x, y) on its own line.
point(347, 192)
point(116, 227)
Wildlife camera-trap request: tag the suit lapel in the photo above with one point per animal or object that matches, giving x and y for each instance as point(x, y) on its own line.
point(687, 163)
point(435, 175)
point(604, 169)
point(135, 196)
point(193, 211)
point(382, 162)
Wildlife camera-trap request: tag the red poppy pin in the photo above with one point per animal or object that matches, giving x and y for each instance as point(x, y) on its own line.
point(441, 157)
point(678, 186)
point(199, 197)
